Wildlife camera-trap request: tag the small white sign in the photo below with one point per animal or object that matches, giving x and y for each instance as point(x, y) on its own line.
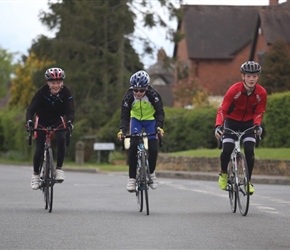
point(104, 146)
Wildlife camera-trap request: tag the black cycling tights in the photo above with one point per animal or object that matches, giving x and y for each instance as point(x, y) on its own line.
point(132, 156)
point(249, 154)
point(61, 147)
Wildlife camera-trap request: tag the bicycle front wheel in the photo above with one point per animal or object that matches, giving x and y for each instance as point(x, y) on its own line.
point(43, 187)
point(46, 180)
point(139, 196)
point(243, 184)
point(50, 179)
point(145, 184)
point(231, 187)
point(139, 191)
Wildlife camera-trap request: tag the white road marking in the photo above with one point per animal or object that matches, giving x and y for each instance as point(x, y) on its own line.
point(260, 206)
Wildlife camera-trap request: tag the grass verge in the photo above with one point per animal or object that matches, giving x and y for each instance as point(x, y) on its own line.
point(260, 153)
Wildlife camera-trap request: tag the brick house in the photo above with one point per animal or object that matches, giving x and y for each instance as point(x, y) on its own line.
point(218, 39)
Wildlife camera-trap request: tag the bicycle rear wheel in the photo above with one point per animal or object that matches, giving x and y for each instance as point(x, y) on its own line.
point(243, 184)
point(231, 188)
point(50, 179)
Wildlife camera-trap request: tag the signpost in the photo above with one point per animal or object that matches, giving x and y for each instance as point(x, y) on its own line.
point(103, 146)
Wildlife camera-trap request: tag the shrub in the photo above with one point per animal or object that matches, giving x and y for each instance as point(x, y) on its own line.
point(276, 120)
point(184, 129)
point(12, 129)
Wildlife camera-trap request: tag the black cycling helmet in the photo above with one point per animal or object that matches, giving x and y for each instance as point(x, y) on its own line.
point(140, 79)
point(251, 67)
point(54, 74)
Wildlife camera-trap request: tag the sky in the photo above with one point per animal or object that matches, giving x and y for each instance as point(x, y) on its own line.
point(20, 25)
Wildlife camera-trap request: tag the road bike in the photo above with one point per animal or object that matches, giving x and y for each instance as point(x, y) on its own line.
point(238, 174)
point(143, 179)
point(47, 169)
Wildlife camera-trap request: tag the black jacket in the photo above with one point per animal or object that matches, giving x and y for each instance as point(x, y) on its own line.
point(49, 107)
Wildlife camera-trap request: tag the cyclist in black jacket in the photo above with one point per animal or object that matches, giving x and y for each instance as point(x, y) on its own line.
point(49, 105)
point(142, 107)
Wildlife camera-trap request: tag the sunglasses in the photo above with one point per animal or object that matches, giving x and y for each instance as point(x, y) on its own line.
point(139, 90)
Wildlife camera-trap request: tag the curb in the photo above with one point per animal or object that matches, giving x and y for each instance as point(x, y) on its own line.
point(190, 175)
point(204, 176)
point(256, 179)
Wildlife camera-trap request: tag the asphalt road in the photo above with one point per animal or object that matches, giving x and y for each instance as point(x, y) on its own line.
point(94, 211)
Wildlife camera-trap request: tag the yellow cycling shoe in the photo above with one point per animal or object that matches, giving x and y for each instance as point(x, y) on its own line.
point(251, 188)
point(223, 181)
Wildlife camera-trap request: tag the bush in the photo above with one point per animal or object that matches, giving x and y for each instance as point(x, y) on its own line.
point(184, 129)
point(276, 120)
point(13, 135)
point(189, 129)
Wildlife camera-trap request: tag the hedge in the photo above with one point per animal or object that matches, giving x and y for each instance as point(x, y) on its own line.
point(184, 129)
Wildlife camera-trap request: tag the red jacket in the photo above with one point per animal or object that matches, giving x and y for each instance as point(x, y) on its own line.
point(238, 106)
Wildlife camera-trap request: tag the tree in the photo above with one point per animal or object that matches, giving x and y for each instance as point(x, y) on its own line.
point(7, 68)
point(22, 88)
point(188, 91)
point(93, 45)
point(156, 14)
point(94, 53)
point(275, 75)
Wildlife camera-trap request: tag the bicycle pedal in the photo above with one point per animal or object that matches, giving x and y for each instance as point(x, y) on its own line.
point(59, 181)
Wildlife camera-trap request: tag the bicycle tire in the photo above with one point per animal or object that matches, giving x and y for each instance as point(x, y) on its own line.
point(50, 179)
point(145, 183)
point(231, 188)
point(139, 191)
point(243, 184)
point(45, 180)
point(139, 196)
point(42, 169)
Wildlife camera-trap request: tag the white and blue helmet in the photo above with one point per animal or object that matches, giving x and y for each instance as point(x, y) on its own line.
point(140, 79)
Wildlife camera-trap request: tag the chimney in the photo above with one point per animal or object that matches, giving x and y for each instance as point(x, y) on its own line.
point(161, 55)
point(273, 2)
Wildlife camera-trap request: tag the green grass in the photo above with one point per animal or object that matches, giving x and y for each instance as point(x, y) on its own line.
point(260, 153)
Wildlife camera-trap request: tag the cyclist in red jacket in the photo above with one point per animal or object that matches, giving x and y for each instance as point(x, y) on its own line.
point(242, 107)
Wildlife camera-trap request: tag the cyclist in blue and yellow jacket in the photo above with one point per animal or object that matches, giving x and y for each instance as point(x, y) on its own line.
point(142, 108)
